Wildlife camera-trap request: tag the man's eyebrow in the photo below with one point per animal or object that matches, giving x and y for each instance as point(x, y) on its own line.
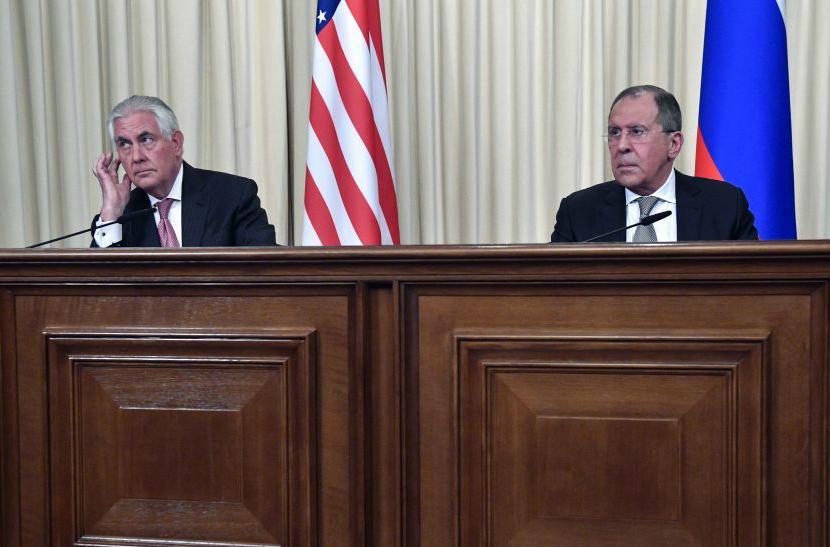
point(145, 134)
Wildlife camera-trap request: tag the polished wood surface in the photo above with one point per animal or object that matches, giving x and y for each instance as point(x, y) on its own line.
point(500, 395)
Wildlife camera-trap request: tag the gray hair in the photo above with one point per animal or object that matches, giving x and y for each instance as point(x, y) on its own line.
point(668, 110)
point(166, 118)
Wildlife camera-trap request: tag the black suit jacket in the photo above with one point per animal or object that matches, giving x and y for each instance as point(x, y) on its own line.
point(706, 210)
point(218, 210)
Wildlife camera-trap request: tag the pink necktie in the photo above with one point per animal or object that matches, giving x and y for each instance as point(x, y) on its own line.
point(166, 233)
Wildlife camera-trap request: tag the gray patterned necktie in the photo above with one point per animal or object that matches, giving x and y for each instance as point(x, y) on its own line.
point(645, 234)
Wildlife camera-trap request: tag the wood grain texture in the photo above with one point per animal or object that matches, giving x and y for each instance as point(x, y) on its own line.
point(606, 435)
point(149, 434)
point(250, 382)
point(763, 401)
point(437, 396)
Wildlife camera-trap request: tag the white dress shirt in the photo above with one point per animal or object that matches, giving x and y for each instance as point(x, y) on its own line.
point(666, 229)
point(111, 235)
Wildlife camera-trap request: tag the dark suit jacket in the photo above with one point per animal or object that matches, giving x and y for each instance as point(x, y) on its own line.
point(706, 210)
point(218, 210)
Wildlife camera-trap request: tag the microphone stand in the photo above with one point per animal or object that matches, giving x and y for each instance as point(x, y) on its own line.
point(645, 221)
point(122, 218)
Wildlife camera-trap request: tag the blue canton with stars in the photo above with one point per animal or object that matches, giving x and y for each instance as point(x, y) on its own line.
point(325, 11)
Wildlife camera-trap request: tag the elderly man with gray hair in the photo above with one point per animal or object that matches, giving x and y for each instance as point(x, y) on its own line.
point(192, 207)
point(644, 138)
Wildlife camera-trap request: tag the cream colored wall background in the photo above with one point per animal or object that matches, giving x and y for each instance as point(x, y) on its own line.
point(497, 107)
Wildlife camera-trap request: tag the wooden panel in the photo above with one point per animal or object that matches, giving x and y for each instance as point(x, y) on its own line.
point(597, 468)
point(241, 327)
point(585, 443)
point(181, 439)
point(680, 332)
point(10, 453)
point(385, 504)
point(498, 395)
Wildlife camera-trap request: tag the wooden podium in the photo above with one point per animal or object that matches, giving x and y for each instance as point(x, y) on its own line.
point(438, 396)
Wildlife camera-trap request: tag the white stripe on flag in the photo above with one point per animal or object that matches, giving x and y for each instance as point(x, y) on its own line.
point(323, 175)
point(353, 45)
point(309, 235)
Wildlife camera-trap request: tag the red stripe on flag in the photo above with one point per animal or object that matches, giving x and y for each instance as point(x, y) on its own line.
point(354, 98)
point(360, 213)
point(367, 15)
point(388, 197)
point(318, 213)
point(386, 191)
point(360, 112)
point(704, 164)
point(360, 12)
point(376, 36)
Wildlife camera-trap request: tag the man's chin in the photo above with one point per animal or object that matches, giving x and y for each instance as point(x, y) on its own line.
point(149, 184)
point(627, 180)
point(635, 184)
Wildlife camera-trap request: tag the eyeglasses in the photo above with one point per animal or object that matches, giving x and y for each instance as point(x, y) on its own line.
point(638, 133)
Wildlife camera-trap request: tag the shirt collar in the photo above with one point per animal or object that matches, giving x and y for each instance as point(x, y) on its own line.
point(666, 192)
point(175, 192)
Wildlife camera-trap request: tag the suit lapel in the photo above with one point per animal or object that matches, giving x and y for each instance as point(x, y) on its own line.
point(611, 215)
point(142, 231)
point(195, 205)
point(688, 208)
point(150, 233)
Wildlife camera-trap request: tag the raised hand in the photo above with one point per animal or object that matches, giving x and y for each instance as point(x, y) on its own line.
point(114, 194)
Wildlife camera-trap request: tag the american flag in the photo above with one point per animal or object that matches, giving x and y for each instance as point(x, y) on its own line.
point(349, 183)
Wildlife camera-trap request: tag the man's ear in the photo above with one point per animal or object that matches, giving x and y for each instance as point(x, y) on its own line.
point(675, 144)
point(178, 140)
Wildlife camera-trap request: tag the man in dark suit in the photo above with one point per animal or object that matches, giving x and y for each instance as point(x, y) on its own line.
point(194, 207)
point(644, 138)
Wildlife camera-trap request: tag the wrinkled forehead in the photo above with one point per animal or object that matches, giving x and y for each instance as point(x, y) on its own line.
point(634, 110)
point(136, 123)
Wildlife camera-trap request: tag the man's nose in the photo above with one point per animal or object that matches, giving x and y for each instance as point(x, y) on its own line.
point(137, 154)
point(624, 142)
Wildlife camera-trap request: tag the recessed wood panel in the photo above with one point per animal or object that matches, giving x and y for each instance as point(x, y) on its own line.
point(602, 444)
point(601, 468)
point(174, 454)
point(611, 446)
point(181, 439)
point(323, 318)
point(539, 379)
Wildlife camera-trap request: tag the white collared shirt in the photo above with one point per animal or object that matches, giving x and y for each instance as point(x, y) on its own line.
point(666, 229)
point(111, 235)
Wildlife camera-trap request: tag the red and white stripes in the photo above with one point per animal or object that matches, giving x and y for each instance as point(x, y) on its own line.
point(349, 189)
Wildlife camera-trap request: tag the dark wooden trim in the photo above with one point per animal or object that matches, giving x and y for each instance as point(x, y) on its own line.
point(407, 348)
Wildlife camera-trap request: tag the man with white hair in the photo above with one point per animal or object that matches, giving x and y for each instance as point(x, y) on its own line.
point(193, 207)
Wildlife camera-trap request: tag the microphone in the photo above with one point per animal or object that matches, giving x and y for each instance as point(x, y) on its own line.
point(651, 219)
point(123, 218)
point(645, 221)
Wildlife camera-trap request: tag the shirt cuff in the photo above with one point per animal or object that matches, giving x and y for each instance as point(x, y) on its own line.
point(109, 236)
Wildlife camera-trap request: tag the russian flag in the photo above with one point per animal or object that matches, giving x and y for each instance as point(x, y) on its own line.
point(744, 131)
